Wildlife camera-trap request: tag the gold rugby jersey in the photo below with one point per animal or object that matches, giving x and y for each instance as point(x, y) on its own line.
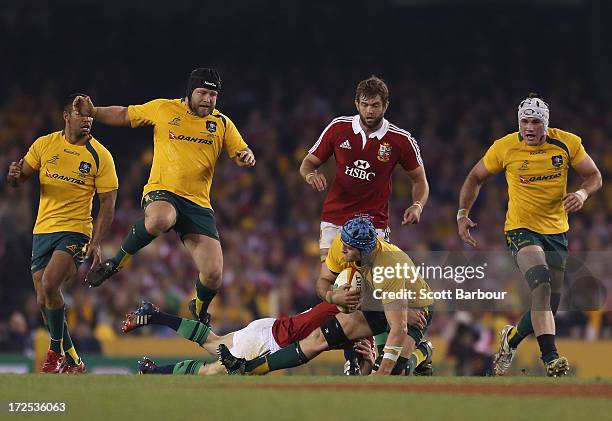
point(185, 147)
point(536, 177)
point(386, 255)
point(69, 175)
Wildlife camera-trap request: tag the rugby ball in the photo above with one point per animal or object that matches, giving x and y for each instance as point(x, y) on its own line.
point(352, 277)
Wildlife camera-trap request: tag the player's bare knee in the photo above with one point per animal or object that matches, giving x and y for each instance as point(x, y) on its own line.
point(50, 288)
point(212, 274)
point(157, 223)
point(318, 341)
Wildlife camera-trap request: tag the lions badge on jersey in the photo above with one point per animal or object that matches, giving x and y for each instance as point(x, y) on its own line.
point(384, 152)
point(85, 167)
point(211, 126)
point(557, 160)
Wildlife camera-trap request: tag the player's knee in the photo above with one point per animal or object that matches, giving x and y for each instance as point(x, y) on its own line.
point(211, 276)
point(538, 275)
point(157, 224)
point(334, 335)
point(49, 288)
point(317, 341)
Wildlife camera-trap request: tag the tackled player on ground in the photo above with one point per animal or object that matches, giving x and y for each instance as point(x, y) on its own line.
point(405, 319)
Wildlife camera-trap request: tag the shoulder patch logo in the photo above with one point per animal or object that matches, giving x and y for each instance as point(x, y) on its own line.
point(85, 167)
point(384, 152)
point(557, 160)
point(211, 126)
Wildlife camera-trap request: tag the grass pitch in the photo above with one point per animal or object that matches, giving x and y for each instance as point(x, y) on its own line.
point(113, 397)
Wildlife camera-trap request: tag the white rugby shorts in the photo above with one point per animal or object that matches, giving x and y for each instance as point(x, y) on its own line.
point(255, 339)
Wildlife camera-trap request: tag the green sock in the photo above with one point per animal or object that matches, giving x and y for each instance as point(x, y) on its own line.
point(55, 319)
point(204, 296)
point(71, 355)
point(194, 331)
point(137, 238)
point(187, 367)
point(522, 329)
point(290, 356)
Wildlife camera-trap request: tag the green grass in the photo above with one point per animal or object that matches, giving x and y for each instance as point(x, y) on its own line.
point(111, 397)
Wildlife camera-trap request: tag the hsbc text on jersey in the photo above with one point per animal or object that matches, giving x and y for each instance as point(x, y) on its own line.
point(359, 173)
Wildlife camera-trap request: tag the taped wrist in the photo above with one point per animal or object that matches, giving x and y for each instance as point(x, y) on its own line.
point(392, 352)
point(582, 194)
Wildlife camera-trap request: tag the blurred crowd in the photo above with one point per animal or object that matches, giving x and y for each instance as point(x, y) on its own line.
point(268, 217)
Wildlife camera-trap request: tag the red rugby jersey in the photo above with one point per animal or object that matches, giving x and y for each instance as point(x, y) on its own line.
point(363, 168)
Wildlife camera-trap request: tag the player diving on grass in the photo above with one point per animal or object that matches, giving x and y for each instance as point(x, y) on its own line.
point(259, 337)
point(386, 306)
point(189, 135)
point(536, 162)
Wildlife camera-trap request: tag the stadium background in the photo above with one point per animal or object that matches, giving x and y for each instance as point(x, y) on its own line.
point(456, 71)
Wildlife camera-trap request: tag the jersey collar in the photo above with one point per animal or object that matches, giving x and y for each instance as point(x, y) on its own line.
point(63, 135)
point(379, 134)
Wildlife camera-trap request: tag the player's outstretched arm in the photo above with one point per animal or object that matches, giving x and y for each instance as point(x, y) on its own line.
point(309, 172)
point(113, 115)
point(591, 182)
point(19, 172)
point(469, 192)
point(420, 193)
point(104, 219)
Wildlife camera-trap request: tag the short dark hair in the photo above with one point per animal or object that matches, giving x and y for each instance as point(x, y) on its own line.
point(67, 106)
point(371, 87)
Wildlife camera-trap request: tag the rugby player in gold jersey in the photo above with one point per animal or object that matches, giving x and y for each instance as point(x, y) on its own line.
point(536, 162)
point(71, 167)
point(189, 135)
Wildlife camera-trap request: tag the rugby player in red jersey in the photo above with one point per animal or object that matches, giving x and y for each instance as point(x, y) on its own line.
point(367, 148)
